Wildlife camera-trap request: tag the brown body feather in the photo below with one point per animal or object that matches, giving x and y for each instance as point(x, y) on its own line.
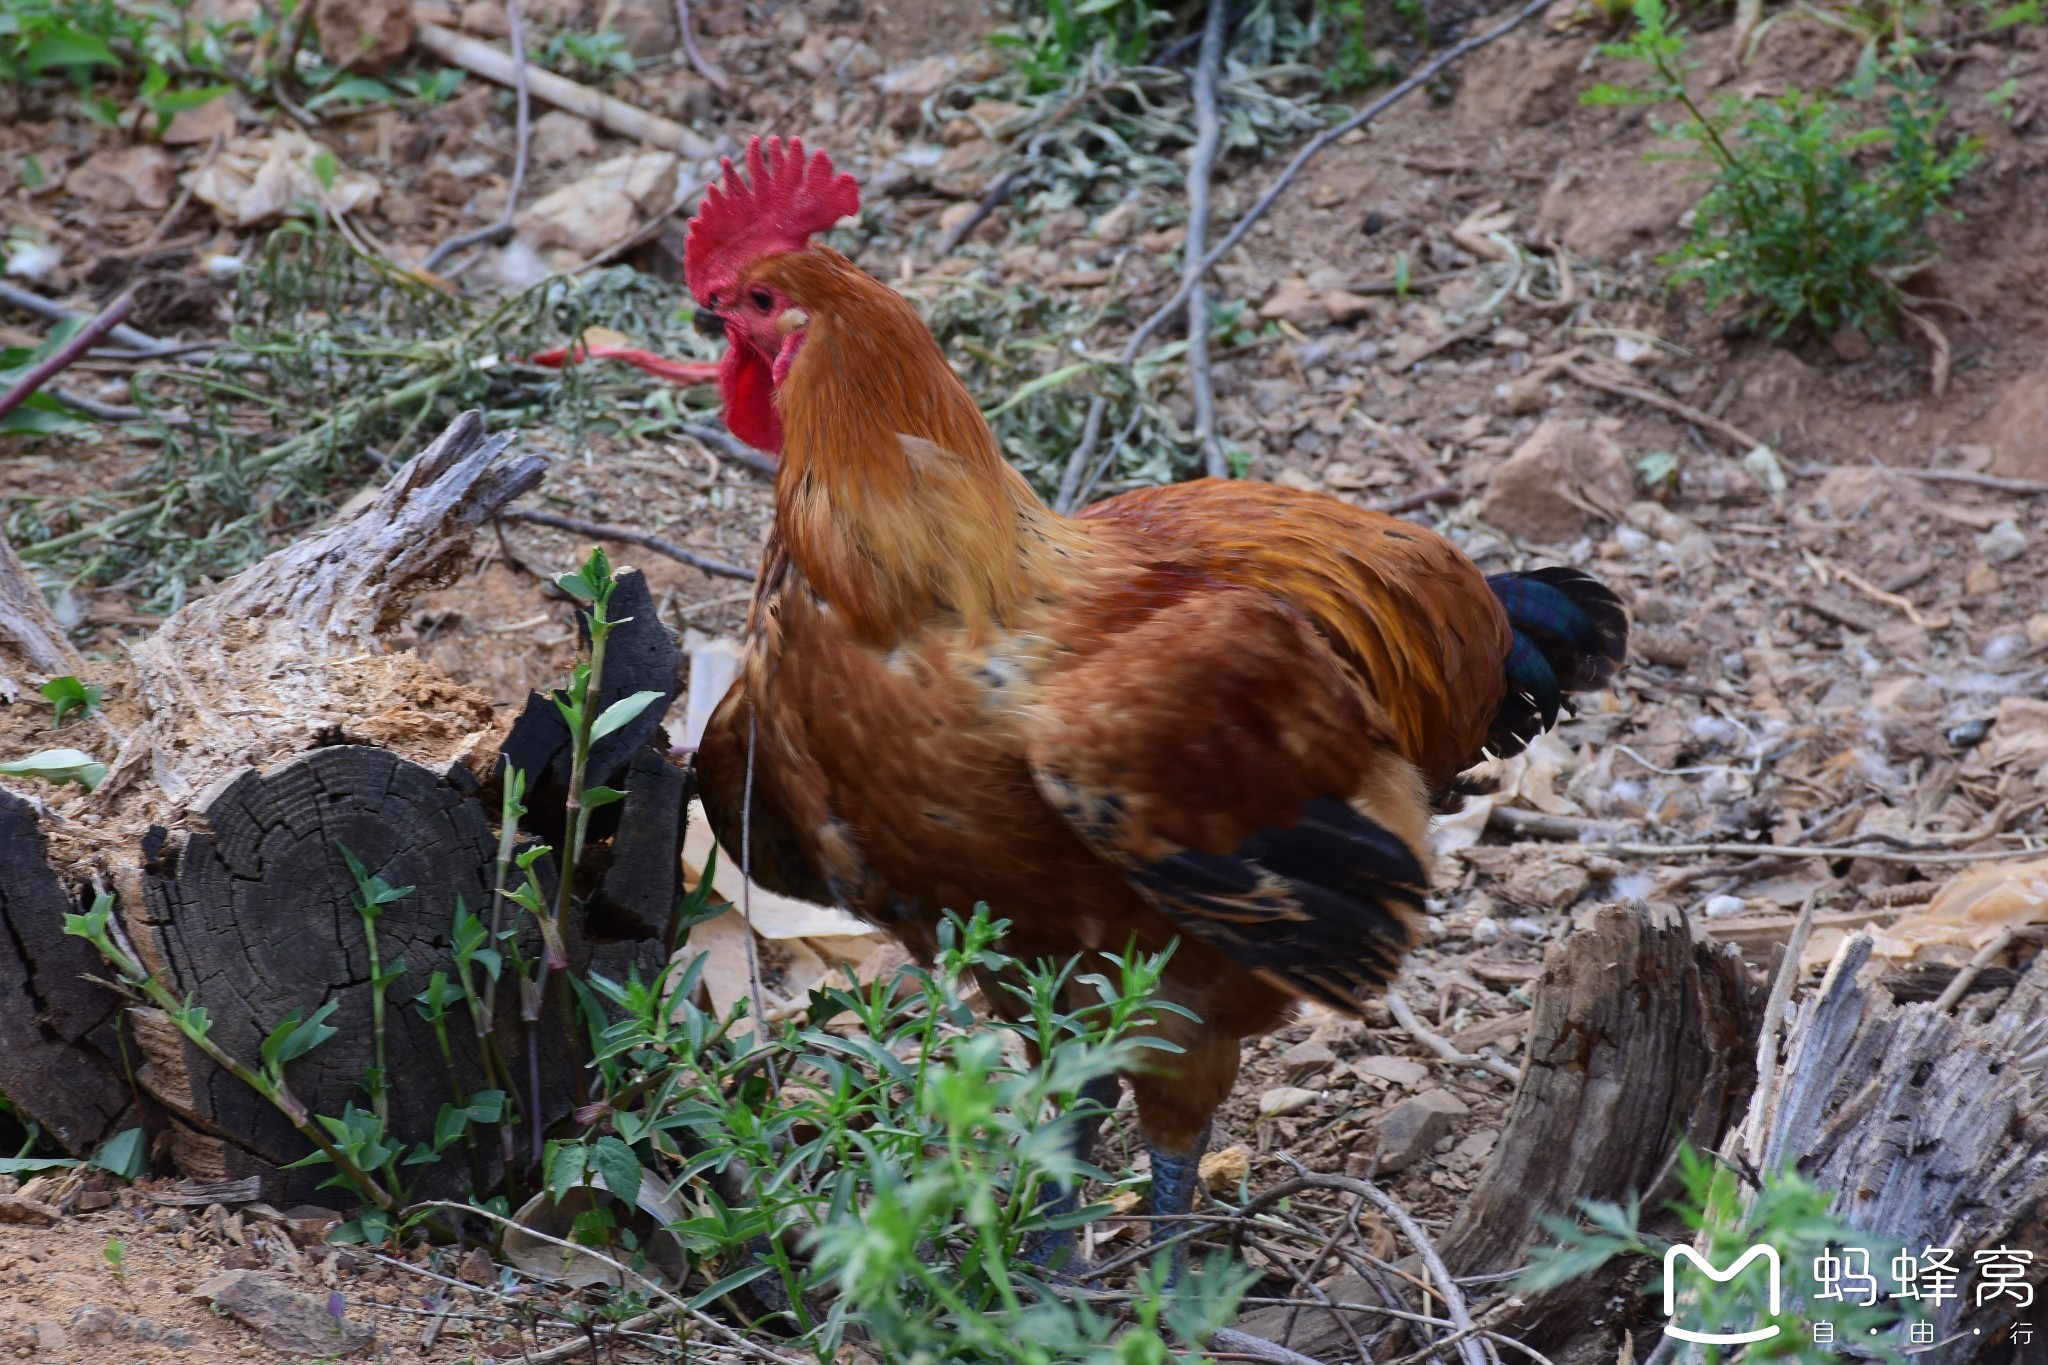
point(1215, 711)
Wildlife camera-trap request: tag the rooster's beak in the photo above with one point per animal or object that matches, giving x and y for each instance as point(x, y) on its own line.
point(708, 323)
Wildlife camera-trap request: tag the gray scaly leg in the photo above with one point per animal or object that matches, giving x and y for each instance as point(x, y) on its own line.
point(1053, 1247)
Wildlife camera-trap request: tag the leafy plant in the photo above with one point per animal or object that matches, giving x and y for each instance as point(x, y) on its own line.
point(68, 694)
point(1790, 1214)
point(1052, 41)
point(1358, 61)
point(592, 56)
point(1816, 207)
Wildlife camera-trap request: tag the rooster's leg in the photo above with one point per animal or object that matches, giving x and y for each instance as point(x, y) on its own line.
point(1175, 1109)
point(1053, 1247)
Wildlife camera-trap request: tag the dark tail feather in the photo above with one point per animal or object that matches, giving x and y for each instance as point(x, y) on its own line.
point(1570, 635)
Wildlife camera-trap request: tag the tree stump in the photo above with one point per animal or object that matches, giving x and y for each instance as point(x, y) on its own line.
point(1640, 1036)
point(62, 1059)
point(1931, 1127)
point(278, 729)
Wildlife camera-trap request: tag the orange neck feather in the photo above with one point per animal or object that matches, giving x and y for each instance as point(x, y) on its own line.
point(892, 497)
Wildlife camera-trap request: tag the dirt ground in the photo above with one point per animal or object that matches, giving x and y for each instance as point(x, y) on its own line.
point(1843, 638)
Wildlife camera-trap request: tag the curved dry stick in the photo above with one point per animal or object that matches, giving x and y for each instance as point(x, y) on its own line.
point(1078, 461)
point(503, 226)
point(706, 68)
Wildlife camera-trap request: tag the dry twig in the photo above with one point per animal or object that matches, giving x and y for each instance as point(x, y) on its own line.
point(481, 59)
point(1201, 164)
point(1404, 1015)
point(524, 133)
point(717, 568)
point(77, 345)
point(705, 67)
point(1078, 462)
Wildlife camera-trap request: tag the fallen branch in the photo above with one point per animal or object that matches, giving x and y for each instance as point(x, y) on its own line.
point(77, 345)
point(1445, 1287)
point(717, 568)
point(697, 1315)
point(15, 297)
point(1404, 1015)
point(991, 199)
point(1201, 164)
point(481, 59)
point(1685, 412)
point(1408, 502)
point(1875, 855)
point(1235, 1343)
point(503, 227)
point(1078, 462)
point(2033, 487)
point(732, 447)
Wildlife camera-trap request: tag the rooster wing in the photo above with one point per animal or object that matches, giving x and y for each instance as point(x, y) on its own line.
point(1233, 767)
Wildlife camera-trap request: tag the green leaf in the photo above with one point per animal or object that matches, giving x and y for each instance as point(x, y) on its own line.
point(622, 712)
point(123, 1154)
point(353, 90)
point(293, 1039)
point(67, 47)
point(29, 1165)
point(60, 766)
point(177, 101)
point(566, 1163)
point(617, 1167)
point(597, 798)
point(68, 694)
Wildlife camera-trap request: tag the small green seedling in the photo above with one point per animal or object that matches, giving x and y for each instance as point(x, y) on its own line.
point(68, 694)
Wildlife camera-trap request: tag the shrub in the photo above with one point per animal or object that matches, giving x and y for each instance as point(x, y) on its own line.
point(1818, 202)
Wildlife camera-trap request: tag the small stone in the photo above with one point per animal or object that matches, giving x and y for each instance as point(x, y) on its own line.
point(125, 178)
point(2037, 628)
point(648, 26)
point(1528, 393)
point(486, 19)
point(1345, 307)
point(363, 35)
point(1396, 1070)
point(1980, 581)
point(1478, 1146)
point(1307, 1060)
point(1294, 301)
point(1539, 493)
point(477, 1268)
point(2003, 543)
point(1635, 350)
point(17, 1208)
point(1116, 226)
point(1509, 339)
point(562, 139)
point(1411, 1129)
point(1283, 1100)
point(1545, 885)
point(1721, 907)
point(1226, 1171)
point(285, 1320)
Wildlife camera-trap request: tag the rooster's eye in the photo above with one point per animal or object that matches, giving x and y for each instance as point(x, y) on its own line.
point(763, 300)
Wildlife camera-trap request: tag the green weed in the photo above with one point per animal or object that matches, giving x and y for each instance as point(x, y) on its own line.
point(1818, 202)
point(68, 694)
point(1789, 1214)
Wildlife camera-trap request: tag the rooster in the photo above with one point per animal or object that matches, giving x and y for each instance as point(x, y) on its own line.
point(1219, 713)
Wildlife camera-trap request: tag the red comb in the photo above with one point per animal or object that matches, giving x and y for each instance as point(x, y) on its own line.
point(775, 207)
